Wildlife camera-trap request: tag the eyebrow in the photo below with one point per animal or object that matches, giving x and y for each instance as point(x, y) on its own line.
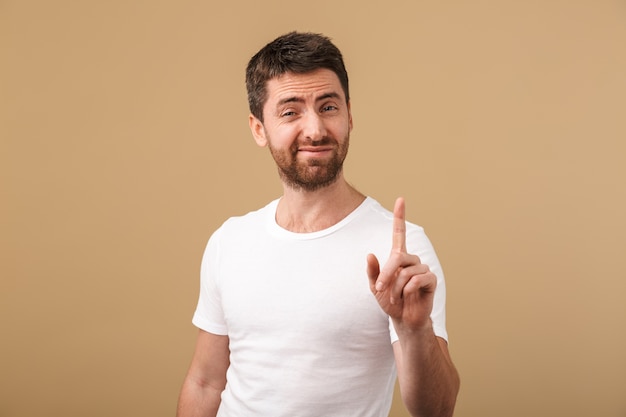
point(295, 99)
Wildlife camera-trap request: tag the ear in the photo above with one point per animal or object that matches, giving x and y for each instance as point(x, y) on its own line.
point(350, 117)
point(258, 131)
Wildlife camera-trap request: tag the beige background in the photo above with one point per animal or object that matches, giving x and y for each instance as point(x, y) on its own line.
point(124, 144)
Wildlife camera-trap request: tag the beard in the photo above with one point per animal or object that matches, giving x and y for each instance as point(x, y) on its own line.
point(313, 173)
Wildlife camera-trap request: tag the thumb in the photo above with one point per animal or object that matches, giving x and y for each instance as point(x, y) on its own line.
point(373, 270)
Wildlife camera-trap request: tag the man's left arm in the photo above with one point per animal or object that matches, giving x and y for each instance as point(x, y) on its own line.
point(428, 380)
point(404, 289)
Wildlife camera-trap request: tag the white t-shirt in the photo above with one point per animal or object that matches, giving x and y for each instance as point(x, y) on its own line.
point(307, 337)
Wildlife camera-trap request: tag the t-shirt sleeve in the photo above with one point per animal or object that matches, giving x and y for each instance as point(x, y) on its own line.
point(209, 315)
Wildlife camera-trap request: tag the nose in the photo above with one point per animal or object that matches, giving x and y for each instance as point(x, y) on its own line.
point(313, 127)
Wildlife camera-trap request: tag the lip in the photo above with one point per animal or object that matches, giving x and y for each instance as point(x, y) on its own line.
point(315, 149)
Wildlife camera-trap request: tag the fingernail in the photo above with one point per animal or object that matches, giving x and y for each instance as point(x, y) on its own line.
point(379, 286)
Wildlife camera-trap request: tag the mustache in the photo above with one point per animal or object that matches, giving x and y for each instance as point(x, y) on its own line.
point(325, 141)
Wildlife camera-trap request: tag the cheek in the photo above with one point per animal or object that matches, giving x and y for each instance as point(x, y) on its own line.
point(282, 137)
point(341, 130)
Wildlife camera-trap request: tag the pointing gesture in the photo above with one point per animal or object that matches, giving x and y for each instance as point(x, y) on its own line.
point(404, 287)
point(399, 226)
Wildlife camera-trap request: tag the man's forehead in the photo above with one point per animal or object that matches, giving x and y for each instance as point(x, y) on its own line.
point(314, 84)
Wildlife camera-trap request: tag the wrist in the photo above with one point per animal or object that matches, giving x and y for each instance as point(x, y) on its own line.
point(412, 330)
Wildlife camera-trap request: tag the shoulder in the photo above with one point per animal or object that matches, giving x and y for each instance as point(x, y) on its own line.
point(380, 219)
point(378, 213)
point(249, 224)
point(254, 218)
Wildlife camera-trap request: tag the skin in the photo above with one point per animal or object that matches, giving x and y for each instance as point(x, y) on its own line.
point(307, 124)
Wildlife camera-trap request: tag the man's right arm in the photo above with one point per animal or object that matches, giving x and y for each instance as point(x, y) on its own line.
point(206, 379)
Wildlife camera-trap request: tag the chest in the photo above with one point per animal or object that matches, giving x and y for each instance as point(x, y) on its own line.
point(309, 290)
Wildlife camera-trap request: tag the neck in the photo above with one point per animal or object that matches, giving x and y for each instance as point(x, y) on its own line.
point(303, 211)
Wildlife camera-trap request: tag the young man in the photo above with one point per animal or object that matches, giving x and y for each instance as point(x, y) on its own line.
point(289, 325)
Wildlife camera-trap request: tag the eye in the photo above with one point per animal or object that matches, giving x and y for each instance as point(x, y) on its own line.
point(329, 107)
point(288, 113)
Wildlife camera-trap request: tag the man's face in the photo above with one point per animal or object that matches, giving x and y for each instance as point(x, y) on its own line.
point(306, 126)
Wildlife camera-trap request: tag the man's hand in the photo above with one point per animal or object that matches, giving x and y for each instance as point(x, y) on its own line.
point(404, 287)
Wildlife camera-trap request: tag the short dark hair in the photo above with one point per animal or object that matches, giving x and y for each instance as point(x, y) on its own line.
point(293, 52)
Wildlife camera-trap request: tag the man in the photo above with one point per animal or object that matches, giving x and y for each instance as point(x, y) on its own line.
point(288, 323)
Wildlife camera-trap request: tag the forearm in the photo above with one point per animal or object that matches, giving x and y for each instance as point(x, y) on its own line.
point(429, 382)
point(198, 400)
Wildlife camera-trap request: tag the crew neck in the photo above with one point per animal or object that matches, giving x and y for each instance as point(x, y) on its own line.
point(278, 231)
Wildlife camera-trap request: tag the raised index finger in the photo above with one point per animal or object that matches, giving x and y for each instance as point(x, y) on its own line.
point(399, 226)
